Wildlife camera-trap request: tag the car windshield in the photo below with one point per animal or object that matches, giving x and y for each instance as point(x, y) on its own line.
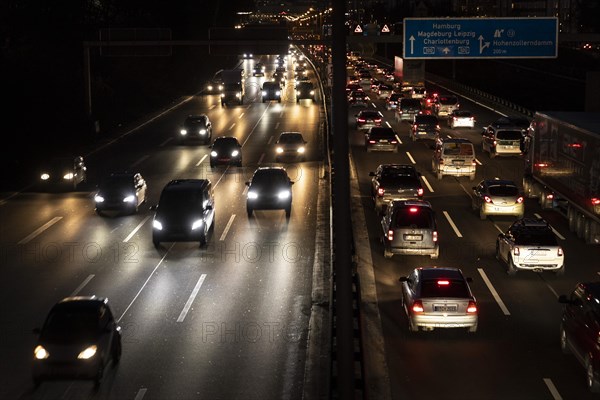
point(503, 190)
point(458, 149)
point(422, 218)
point(462, 114)
point(195, 121)
point(509, 135)
point(419, 90)
point(225, 142)
point(269, 179)
point(117, 182)
point(395, 172)
point(61, 164)
point(394, 97)
point(65, 326)
point(178, 200)
point(291, 138)
point(536, 239)
point(400, 180)
point(450, 288)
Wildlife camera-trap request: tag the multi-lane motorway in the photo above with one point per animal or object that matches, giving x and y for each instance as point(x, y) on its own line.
point(231, 319)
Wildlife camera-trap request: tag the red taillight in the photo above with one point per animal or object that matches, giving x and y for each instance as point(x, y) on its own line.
point(541, 165)
point(520, 199)
point(443, 282)
point(437, 127)
point(420, 192)
point(559, 252)
point(474, 162)
point(487, 199)
point(372, 141)
point(393, 142)
point(472, 307)
point(495, 143)
point(378, 120)
point(455, 118)
point(441, 161)
point(361, 120)
point(516, 251)
point(435, 236)
point(596, 201)
point(380, 192)
point(413, 209)
point(549, 196)
point(390, 235)
point(418, 306)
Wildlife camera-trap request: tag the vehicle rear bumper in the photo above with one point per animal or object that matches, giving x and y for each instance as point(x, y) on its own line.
point(448, 321)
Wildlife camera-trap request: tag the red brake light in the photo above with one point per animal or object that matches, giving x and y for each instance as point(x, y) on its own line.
point(595, 201)
point(495, 142)
point(487, 199)
point(413, 209)
point(541, 165)
point(443, 282)
point(380, 191)
point(560, 252)
point(378, 120)
point(516, 251)
point(472, 307)
point(390, 235)
point(474, 162)
point(520, 199)
point(435, 236)
point(550, 196)
point(393, 142)
point(372, 141)
point(361, 120)
point(420, 191)
point(418, 306)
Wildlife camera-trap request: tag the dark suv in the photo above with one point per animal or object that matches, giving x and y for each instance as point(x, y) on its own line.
point(305, 90)
point(409, 227)
point(425, 126)
point(395, 182)
point(269, 189)
point(381, 138)
point(196, 127)
point(185, 212)
point(226, 150)
point(271, 91)
point(580, 329)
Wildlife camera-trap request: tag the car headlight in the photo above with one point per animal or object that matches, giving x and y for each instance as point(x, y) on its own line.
point(237, 95)
point(301, 149)
point(312, 92)
point(235, 153)
point(202, 131)
point(99, 199)
point(285, 194)
point(40, 353)
point(213, 153)
point(88, 353)
point(209, 87)
point(197, 224)
point(157, 225)
point(68, 176)
point(264, 92)
point(278, 93)
point(222, 94)
point(297, 93)
point(279, 150)
point(129, 199)
point(45, 177)
point(252, 195)
point(183, 132)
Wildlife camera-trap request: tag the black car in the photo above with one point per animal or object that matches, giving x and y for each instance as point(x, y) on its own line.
point(305, 90)
point(77, 341)
point(290, 146)
point(521, 122)
point(185, 212)
point(271, 91)
point(215, 85)
point(226, 150)
point(580, 329)
point(63, 173)
point(269, 189)
point(124, 191)
point(196, 127)
point(425, 126)
point(395, 182)
point(381, 138)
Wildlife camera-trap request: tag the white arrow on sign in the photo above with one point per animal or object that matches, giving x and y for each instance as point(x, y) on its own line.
point(412, 44)
point(482, 45)
point(446, 50)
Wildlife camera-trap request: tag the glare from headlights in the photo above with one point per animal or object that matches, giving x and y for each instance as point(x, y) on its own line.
point(264, 92)
point(213, 153)
point(220, 87)
point(183, 132)
point(237, 95)
point(40, 353)
point(129, 199)
point(278, 93)
point(301, 149)
point(88, 353)
point(202, 131)
point(234, 153)
point(99, 199)
point(209, 87)
point(284, 194)
point(252, 195)
point(312, 92)
point(222, 94)
point(45, 177)
point(197, 224)
point(68, 176)
point(279, 150)
point(157, 225)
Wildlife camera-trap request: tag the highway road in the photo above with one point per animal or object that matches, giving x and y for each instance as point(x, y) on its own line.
point(228, 320)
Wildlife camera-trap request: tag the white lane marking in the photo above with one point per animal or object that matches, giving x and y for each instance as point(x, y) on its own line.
point(201, 160)
point(281, 114)
point(144, 285)
point(137, 228)
point(85, 282)
point(140, 394)
point(412, 160)
point(398, 139)
point(210, 108)
point(190, 300)
point(261, 158)
point(478, 162)
point(552, 389)
point(493, 291)
point(241, 115)
point(452, 224)
point(427, 184)
point(551, 227)
point(270, 140)
point(277, 125)
point(388, 124)
point(165, 142)
point(39, 230)
point(497, 227)
point(139, 161)
point(374, 105)
point(224, 234)
point(232, 125)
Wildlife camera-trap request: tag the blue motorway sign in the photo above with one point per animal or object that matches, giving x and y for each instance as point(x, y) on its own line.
point(427, 38)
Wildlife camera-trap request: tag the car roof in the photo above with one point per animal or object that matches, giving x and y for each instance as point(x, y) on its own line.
point(435, 272)
point(82, 301)
point(185, 184)
point(369, 112)
point(226, 139)
point(499, 182)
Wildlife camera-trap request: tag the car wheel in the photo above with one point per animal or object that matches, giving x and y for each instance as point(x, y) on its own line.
point(395, 149)
point(156, 243)
point(474, 206)
point(99, 374)
point(411, 326)
point(482, 214)
point(117, 350)
point(386, 252)
point(498, 251)
point(239, 163)
point(288, 212)
point(440, 175)
point(472, 329)
point(368, 149)
point(472, 177)
point(511, 270)
point(592, 382)
point(413, 138)
point(435, 255)
point(519, 216)
point(212, 164)
point(564, 341)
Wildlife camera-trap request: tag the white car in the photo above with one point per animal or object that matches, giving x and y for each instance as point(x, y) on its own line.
point(461, 119)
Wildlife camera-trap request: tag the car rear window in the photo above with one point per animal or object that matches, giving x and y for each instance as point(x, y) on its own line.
point(426, 119)
point(458, 149)
point(385, 133)
point(370, 114)
point(420, 219)
point(501, 190)
point(536, 239)
point(509, 135)
point(454, 288)
point(410, 103)
point(449, 100)
point(400, 180)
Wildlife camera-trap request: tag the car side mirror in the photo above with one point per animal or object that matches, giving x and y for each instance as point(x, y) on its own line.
point(208, 207)
point(403, 279)
point(474, 188)
point(501, 236)
point(292, 182)
point(153, 207)
point(247, 183)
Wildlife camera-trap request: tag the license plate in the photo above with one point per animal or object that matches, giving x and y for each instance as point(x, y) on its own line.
point(444, 308)
point(458, 162)
point(383, 141)
point(413, 237)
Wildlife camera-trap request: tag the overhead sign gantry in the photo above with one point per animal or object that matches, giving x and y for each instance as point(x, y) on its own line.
point(428, 38)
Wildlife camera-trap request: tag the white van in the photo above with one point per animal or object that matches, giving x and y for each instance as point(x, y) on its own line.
point(454, 156)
